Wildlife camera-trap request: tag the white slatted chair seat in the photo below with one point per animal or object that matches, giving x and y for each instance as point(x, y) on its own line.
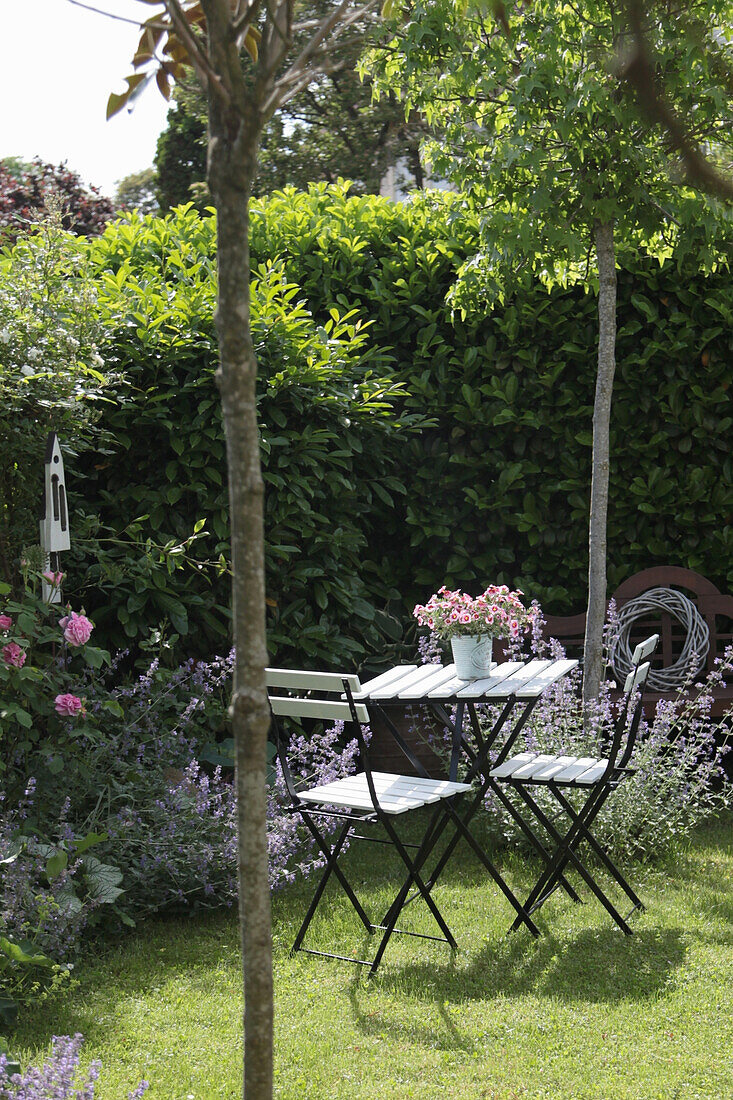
point(581, 771)
point(367, 799)
point(395, 793)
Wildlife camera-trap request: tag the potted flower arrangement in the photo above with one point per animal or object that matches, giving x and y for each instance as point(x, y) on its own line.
point(471, 624)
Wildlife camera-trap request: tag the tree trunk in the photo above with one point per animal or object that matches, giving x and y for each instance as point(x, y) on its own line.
point(232, 166)
point(593, 644)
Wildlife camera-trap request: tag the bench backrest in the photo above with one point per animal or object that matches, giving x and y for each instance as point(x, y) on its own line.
point(715, 608)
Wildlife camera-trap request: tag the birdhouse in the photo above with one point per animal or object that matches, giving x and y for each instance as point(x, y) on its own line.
point(54, 521)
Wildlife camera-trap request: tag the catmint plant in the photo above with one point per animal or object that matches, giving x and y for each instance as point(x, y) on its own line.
point(137, 789)
point(58, 1078)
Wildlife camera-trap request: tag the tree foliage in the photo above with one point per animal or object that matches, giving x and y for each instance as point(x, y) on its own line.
point(180, 155)
point(705, 165)
point(561, 166)
point(137, 192)
point(331, 129)
point(25, 189)
point(540, 140)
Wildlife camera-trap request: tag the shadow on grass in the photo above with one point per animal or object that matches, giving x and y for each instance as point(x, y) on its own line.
point(130, 968)
point(593, 965)
point(597, 967)
point(569, 963)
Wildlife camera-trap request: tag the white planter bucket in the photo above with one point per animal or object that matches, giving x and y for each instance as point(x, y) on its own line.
point(472, 655)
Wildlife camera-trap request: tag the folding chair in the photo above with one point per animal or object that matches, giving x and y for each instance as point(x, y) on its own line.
point(369, 798)
point(598, 778)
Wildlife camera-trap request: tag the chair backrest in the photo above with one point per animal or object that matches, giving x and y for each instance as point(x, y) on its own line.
point(308, 694)
point(642, 651)
point(299, 693)
point(629, 716)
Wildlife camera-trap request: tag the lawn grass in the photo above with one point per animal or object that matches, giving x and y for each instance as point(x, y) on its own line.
point(582, 1013)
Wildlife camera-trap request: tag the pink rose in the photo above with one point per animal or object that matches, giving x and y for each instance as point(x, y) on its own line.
point(5, 622)
point(68, 705)
point(13, 655)
point(77, 628)
point(54, 579)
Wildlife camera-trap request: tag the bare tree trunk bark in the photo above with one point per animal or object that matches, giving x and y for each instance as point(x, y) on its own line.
point(597, 541)
point(249, 709)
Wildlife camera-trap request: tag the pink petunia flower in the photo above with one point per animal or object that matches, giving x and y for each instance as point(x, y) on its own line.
point(77, 628)
point(5, 622)
point(13, 655)
point(68, 705)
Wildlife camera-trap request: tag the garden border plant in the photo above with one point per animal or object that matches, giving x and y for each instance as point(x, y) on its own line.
point(136, 767)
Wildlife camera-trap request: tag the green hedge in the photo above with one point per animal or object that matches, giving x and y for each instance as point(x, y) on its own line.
point(364, 511)
point(499, 489)
point(326, 407)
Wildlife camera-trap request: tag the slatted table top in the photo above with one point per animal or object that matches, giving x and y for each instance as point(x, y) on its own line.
point(439, 683)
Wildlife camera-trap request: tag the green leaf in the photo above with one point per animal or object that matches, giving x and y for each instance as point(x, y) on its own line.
point(220, 754)
point(94, 657)
point(26, 955)
point(124, 917)
point(102, 880)
point(56, 864)
point(68, 899)
point(82, 843)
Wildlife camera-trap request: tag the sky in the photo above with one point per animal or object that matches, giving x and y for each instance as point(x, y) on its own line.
point(59, 65)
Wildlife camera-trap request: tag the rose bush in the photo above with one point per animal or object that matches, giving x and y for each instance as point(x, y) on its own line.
point(43, 654)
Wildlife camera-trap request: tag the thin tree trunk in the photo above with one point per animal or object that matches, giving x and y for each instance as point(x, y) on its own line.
point(597, 543)
point(229, 162)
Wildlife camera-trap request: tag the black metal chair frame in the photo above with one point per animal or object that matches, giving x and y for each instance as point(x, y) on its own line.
point(477, 767)
point(443, 812)
point(561, 853)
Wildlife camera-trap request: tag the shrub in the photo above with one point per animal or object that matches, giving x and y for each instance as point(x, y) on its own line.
point(360, 517)
point(51, 372)
point(326, 406)
point(27, 190)
point(362, 514)
point(158, 785)
point(499, 485)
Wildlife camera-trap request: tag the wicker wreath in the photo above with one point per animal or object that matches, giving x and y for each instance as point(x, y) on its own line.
point(694, 651)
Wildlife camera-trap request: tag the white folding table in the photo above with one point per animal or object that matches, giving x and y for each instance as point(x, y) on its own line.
point(516, 686)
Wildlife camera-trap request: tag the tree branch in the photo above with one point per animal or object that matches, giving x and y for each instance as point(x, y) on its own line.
point(109, 14)
point(207, 75)
point(314, 47)
point(638, 71)
point(242, 22)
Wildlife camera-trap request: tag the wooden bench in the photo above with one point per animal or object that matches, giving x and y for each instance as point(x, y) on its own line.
point(715, 608)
